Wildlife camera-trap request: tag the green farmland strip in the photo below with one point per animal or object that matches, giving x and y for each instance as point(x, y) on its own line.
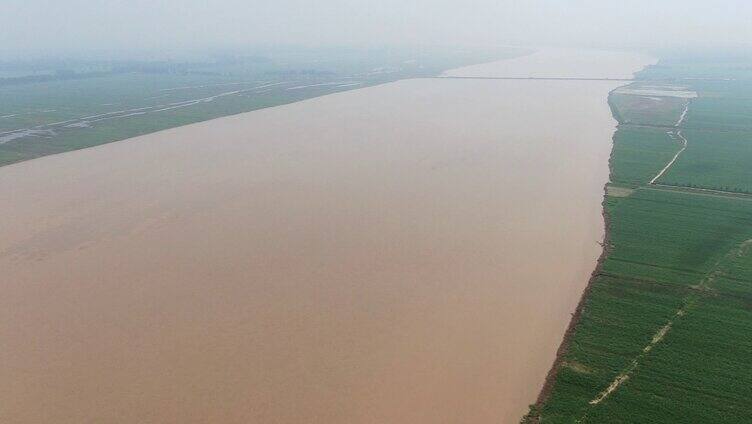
point(45, 116)
point(665, 332)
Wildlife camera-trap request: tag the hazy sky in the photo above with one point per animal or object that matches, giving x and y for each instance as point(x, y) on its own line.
point(69, 25)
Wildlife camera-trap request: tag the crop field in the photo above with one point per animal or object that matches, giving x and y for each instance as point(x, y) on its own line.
point(719, 160)
point(47, 113)
point(664, 332)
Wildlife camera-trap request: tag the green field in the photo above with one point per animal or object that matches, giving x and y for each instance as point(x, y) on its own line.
point(718, 160)
point(664, 333)
point(639, 153)
point(48, 112)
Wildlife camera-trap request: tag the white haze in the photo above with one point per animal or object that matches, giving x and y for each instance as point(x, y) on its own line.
point(159, 25)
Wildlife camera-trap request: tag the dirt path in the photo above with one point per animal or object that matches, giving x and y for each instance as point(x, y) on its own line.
point(683, 115)
point(683, 142)
point(671, 162)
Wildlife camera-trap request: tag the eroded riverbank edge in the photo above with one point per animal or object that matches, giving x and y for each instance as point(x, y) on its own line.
point(533, 415)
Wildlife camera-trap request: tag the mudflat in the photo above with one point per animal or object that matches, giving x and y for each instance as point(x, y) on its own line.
point(405, 253)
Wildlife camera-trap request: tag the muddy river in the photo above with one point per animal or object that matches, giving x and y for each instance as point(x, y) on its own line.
point(405, 253)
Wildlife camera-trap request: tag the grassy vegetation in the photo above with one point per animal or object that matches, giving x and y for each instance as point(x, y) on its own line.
point(667, 322)
point(713, 113)
point(647, 110)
